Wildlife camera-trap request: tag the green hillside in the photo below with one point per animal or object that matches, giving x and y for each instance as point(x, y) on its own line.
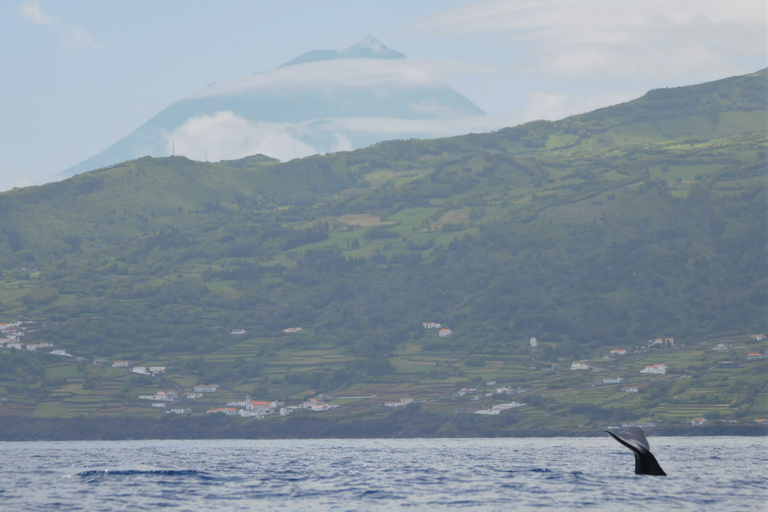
point(600, 231)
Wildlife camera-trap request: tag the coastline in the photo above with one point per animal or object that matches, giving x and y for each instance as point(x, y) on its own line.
point(222, 427)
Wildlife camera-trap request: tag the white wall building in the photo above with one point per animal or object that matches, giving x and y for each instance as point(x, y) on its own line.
point(657, 369)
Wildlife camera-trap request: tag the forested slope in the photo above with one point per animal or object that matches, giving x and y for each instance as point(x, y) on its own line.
point(610, 228)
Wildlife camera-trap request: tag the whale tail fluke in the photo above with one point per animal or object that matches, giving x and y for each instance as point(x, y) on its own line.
point(634, 439)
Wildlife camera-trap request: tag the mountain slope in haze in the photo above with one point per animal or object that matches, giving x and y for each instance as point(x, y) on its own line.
point(594, 232)
point(368, 48)
point(165, 191)
point(322, 101)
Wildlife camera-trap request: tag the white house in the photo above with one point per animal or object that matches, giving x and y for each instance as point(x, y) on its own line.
point(579, 365)
point(402, 403)
point(657, 369)
point(35, 346)
point(142, 370)
point(313, 404)
point(160, 396)
point(237, 331)
point(206, 388)
point(754, 357)
point(629, 389)
point(504, 407)
point(431, 325)
point(121, 364)
point(534, 342)
point(444, 333)
point(618, 352)
point(615, 380)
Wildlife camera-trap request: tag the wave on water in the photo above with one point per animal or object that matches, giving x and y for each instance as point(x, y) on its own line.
point(106, 472)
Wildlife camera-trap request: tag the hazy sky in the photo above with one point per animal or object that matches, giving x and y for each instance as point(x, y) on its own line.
point(79, 75)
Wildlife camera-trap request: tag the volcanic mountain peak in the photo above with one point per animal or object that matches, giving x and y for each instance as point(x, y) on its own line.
point(368, 48)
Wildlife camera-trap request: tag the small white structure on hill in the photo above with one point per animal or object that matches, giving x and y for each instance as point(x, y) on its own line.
point(444, 333)
point(657, 369)
point(534, 342)
point(579, 365)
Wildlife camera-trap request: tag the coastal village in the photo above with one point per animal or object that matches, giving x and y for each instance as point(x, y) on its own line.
point(489, 397)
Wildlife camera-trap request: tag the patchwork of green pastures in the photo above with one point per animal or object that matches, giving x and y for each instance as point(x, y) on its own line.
point(62, 371)
point(10, 294)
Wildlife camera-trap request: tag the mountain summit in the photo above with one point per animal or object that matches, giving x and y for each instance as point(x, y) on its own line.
point(368, 48)
point(320, 102)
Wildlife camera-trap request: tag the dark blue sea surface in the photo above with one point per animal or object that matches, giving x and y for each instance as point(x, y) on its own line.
point(705, 473)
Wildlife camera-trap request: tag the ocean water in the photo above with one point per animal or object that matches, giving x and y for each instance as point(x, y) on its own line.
point(705, 473)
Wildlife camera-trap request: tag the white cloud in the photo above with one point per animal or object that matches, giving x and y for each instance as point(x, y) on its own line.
point(395, 128)
point(73, 38)
point(76, 39)
point(553, 106)
point(342, 143)
point(626, 39)
point(350, 72)
point(227, 136)
point(34, 13)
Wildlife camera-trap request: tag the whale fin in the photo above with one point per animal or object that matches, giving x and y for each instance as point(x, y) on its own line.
point(634, 439)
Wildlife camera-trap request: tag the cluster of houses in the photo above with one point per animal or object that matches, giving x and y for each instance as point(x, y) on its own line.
point(260, 409)
point(148, 370)
point(141, 370)
point(292, 330)
point(12, 334)
point(251, 408)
